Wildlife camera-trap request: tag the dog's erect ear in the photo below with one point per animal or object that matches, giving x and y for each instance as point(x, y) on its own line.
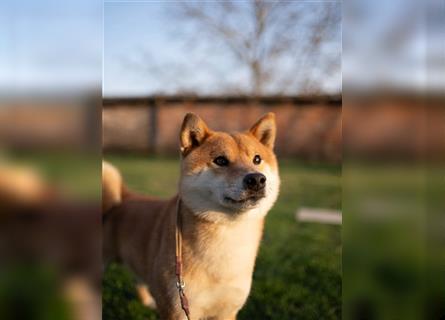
point(193, 133)
point(265, 130)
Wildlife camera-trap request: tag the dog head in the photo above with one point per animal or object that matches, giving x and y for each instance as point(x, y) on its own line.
point(231, 174)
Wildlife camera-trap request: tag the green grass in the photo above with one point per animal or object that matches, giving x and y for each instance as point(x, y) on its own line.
point(392, 235)
point(298, 270)
point(393, 241)
point(76, 173)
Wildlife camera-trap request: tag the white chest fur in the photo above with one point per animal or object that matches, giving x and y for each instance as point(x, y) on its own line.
point(219, 278)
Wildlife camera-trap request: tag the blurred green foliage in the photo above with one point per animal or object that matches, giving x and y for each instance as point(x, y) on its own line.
point(31, 291)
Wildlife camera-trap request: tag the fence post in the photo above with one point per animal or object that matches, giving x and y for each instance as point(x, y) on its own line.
point(152, 125)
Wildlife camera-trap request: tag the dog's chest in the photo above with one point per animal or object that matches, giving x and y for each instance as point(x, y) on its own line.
point(218, 301)
point(220, 276)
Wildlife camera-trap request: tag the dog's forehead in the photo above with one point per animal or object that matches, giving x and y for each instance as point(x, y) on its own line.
point(239, 148)
point(232, 145)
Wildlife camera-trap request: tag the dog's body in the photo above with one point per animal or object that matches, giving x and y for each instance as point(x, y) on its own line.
point(228, 184)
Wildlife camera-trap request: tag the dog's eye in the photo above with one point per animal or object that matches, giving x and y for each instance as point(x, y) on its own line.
point(257, 159)
point(221, 161)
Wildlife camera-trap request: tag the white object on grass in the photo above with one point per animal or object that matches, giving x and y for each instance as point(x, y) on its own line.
point(319, 215)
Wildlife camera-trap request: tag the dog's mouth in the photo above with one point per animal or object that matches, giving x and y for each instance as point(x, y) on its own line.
point(248, 200)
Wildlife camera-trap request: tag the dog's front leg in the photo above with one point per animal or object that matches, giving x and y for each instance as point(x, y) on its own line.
point(145, 296)
point(171, 313)
point(175, 316)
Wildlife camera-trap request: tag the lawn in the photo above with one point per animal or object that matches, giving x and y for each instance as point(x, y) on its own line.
point(392, 236)
point(298, 273)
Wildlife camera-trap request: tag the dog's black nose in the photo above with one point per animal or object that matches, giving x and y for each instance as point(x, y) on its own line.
point(254, 181)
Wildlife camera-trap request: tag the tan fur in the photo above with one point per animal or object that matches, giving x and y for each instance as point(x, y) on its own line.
point(220, 240)
point(111, 186)
point(145, 296)
point(22, 186)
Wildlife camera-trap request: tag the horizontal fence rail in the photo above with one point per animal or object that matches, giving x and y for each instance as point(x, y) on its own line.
point(308, 126)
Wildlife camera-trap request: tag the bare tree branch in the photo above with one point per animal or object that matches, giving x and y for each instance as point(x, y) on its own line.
point(283, 45)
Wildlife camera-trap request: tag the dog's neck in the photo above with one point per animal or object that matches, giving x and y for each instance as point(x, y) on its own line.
point(231, 242)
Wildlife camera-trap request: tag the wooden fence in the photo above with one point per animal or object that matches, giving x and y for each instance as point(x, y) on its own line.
point(308, 127)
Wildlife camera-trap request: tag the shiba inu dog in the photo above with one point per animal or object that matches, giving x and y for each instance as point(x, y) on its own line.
point(228, 183)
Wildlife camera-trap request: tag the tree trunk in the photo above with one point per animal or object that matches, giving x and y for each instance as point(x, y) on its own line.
point(257, 79)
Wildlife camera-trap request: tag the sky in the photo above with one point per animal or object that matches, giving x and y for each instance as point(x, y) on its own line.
point(131, 31)
point(146, 51)
point(44, 44)
point(143, 41)
point(388, 47)
point(49, 44)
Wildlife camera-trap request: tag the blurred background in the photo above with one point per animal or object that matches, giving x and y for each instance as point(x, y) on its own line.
point(357, 87)
point(393, 93)
point(50, 212)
